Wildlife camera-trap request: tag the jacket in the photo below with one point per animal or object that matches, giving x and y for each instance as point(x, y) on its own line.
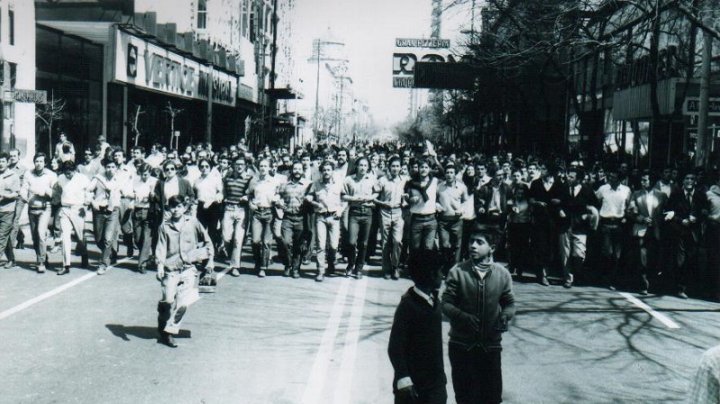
point(639, 211)
point(490, 300)
point(682, 209)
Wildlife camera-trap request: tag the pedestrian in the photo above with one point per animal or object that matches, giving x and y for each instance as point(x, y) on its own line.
point(72, 190)
point(144, 223)
point(614, 198)
point(262, 194)
point(17, 237)
point(390, 190)
point(235, 202)
point(209, 192)
point(106, 212)
point(37, 190)
point(183, 243)
point(478, 299)
point(9, 192)
point(291, 200)
point(416, 347)
point(452, 195)
point(422, 198)
point(324, 197)
point(358, 192)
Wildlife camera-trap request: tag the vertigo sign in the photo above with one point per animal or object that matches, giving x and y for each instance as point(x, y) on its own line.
point(411, 51)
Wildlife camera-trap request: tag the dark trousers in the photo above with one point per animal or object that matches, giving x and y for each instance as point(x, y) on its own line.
point(686, 259)
point(543, 242)
point(375, 225)
point(293, 232)
point(6, 227)
point(358, 233)
point(142, 234)
point(210, 218)
point(519, 246)
point(476, 375)
point(712, 275)
point(422, 232)
point(450, 235)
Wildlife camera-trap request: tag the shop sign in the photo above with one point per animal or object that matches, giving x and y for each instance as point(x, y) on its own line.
point(30, 96)
point(152, 67)
point(691, 106)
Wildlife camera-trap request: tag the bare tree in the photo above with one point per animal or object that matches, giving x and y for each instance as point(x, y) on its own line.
point(48, 113)
point(133, 125)
point(173, 112)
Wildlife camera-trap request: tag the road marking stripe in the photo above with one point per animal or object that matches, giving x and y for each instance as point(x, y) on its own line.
point(22, 306)
point(316, 380)
point(344, 386)
point(659, 316)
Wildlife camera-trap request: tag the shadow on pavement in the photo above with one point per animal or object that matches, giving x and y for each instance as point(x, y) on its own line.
point(123, 331)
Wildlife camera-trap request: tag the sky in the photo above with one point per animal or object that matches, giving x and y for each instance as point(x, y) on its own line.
point(368, 28)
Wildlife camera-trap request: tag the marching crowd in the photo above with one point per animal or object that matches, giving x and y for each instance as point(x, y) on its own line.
point(339, 205)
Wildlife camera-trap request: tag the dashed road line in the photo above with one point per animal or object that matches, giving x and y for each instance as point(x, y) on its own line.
point(658, 316)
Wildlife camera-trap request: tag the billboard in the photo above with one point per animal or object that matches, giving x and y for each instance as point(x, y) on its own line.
point(411, 51)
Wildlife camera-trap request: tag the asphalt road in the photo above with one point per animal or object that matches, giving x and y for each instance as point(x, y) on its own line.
point(82, 338)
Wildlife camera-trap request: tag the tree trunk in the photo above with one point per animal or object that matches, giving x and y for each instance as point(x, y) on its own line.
point(704, 140)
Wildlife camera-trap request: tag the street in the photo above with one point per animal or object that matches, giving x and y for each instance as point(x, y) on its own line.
point(84, 338)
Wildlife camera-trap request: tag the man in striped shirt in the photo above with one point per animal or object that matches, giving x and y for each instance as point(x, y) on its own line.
point(235, 186)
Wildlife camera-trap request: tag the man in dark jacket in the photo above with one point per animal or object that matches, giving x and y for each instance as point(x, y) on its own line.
point(479, 302)
point(415, 346)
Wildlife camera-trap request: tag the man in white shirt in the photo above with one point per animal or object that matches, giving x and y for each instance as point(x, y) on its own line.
point(358, 192)
point(614, 199)
point(72, 189)
point(263, 195)
point(17, 236)
point(37, 189)
point(125, 175)
point(452, 195)
point(143, 187)
point(9, 191)
point(422, 196)
point(106, 202)
point(391, 189)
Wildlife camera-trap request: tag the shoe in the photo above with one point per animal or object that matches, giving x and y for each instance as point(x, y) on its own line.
point(306, 261)
point(544, 281)
point(348, 272)
point(644, 292)
point(235, 272)
point(261, 273)
point(113, 258)
point(395, 275)
point(9, 265)
point(359, 274)
point(167, 339)
point(682, 295)
point(64, 270)
point(101, 269)
point(296, 274)
point(142, 269)
point(85, 264)
point(286, 272)
point(386, 276)
point(41, 269)
point(319, 278)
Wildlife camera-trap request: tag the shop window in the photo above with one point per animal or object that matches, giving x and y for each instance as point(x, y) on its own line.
point(202, 14)
point(11, 26)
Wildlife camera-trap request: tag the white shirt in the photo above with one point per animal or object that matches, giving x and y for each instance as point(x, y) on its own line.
point(172, 187)
point(142, 191)
point(208, 189)
point(264, 191)
point(426, 207)
point(74, 191)
point(614, 201)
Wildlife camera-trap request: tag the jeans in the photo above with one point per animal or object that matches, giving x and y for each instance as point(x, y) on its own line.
point(106, 226)
point(519, 241)
point(71, 220)
point(262, 235)
point(359, 224)
point(233, 231)
point(476, 375)
point(6, 226)
point(19, 206)
point(39, 221)
point(142, 234)
point(392, 237)
point(327, 228)
point(450, 235)
point(293, 232)
point(422, 232)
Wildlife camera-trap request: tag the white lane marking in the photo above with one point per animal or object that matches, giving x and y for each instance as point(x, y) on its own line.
point(316, 380)
point(659, 316)
point(22, 306)
point(344, 386)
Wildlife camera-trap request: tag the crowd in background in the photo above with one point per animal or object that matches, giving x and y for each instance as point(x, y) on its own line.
point(604, 223)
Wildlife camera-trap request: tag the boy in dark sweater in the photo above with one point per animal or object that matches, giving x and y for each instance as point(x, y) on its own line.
point(479, 302)
point(416, 348)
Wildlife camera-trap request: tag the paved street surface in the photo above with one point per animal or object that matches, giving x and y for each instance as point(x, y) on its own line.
point(83, 338)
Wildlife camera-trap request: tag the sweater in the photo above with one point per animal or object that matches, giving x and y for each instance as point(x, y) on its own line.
point(416, 345)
